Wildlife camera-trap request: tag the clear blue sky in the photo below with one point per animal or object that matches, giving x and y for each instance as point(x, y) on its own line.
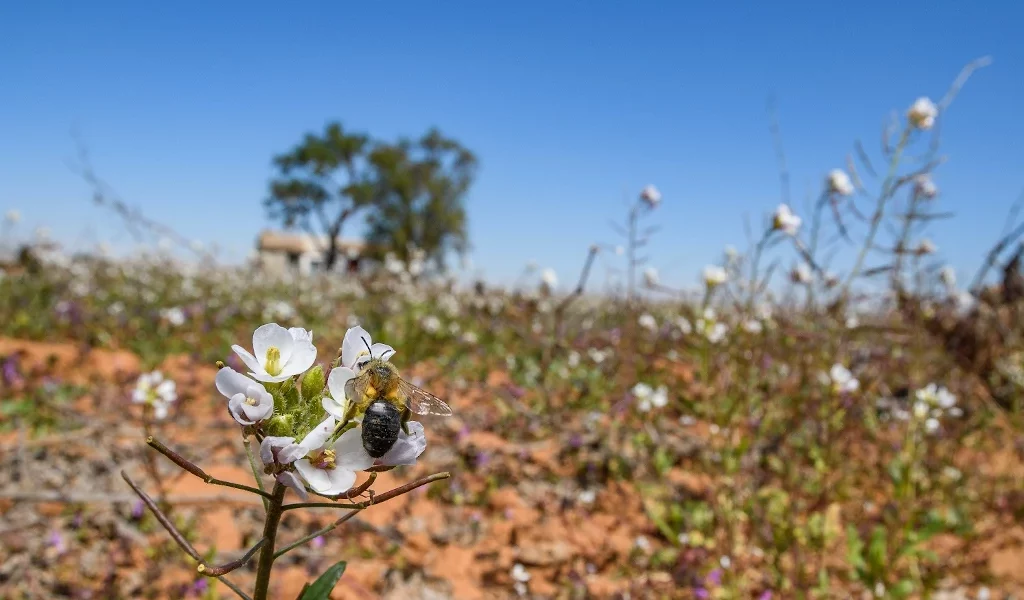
point(571, 107)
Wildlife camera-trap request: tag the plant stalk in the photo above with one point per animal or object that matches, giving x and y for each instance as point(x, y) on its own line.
point(266, 561)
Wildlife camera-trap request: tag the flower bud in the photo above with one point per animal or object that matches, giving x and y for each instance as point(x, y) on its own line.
point(313, 383)
point(279, 426)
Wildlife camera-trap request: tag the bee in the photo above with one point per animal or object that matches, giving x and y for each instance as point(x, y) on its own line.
point(387, 402)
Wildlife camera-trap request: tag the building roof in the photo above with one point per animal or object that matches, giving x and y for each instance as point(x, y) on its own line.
point(290, 241)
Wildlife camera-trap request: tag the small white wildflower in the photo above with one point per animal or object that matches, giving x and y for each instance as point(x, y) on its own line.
point(843, 381)
point(785, 221)
point(573, 359)
point(651, 196)
point(330, 470)
point(549, 277)
point(12, 216)
point(175, 315)
point(642, 543)
point(753, 326)
point(926, 246)
point(431, 324)
point(800, 273)
point(839, 182)
point(469, 338)
point(725, 561)
point(651, 277)
point(948, 277)
point(687, 420)
point(931, 425)
point(984, 594)
point(648, 322)
point(715, 276)
point(153, 390)
point(852, 322)
point(731, 254)
point(684, 325)
point(925, 187)
point(248, 401)
point(879, 590)
point(586, 496)
point(520, 574)
point(922, 113)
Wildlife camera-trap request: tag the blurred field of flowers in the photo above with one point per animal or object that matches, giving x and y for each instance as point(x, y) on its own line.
point(805, 440)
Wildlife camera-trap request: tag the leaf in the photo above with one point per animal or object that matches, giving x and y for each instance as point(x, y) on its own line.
point(321, 588)
point(855, 549)
point(903, 589)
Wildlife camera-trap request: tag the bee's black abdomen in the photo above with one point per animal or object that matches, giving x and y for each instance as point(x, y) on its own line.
point(381, 425)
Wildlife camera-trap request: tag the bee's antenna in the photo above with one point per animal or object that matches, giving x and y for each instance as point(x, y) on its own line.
point(365, 341)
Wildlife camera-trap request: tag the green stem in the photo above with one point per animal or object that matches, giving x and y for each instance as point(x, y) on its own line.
point(255, 472)
point(315, 534)
point(266, 561)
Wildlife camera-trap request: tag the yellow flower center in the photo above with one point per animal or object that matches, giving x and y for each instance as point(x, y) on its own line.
point(325, 460)
point(251, 401)
point(273, 362)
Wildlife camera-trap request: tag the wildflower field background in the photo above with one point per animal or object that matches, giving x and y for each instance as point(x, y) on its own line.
point(792, 429)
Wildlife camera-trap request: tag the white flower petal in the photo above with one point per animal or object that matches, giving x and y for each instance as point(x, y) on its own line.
point(272, 442)
point(349, 452)
point(300, 335)
point(333, 407)
point(255, 368)
point(235, 405)
point(336, 382)
point(382, 351)
point(272, 335)
point(292, 480)
point(341, 481)
point(230, 382)
point(316, 478)
point(303, 355)
point(354, 346)
point(316, 438)
point(408, 447)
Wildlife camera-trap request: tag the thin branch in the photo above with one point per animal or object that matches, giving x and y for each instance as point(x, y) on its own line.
point(217, 571)
point(388, 495)
point(315, 534)
point(255, 471)
point(184, 463)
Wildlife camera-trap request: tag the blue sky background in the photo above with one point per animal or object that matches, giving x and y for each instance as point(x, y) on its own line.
point(571, 106)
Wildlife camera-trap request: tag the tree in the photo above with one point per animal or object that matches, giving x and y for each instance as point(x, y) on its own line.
point(418, 198)
point(323, 180)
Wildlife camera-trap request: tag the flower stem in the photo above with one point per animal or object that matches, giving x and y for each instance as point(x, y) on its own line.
point(316, 534)
point(266, 561)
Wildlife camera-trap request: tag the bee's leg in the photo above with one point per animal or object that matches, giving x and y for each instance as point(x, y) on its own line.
point(406, 415)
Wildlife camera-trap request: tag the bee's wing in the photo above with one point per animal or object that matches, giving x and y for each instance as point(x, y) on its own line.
point(355, 388)
point(423, 402)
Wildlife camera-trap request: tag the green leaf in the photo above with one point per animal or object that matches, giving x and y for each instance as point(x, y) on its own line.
point(321, 588)
point(903, 589)
point(855, 549)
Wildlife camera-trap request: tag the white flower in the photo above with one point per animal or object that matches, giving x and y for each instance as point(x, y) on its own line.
point(801, 273)
point(586, 496)
point(843, 382)
point(573, 360)
point(785, 220)
point(651, 276)
point(519, 573)
point(926, 246)
point(965, 302)
point(279, 353)
point(647, 321)
point(431, 324)
point(925, 187)
point(280, 450)
point(931, 425)
point(642, 543)
point(175, 316)
point(549, 277)
point(650, 398)
point(684, 325)
point(948, 277)
point(651, 196)
point(393, 264)
point(725, 561)
point(922, 113)
point(358, 348)
point(248, 401)
point(714, 276)
point(731, 253)
point(13, 216)
point(839, 182)
point(408, 447)
point(469, 338)
point(753, 326)
point(920, 409)
point(155, 391)
point(329, 471)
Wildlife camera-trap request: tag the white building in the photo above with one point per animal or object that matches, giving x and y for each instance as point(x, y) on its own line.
point(289, 251)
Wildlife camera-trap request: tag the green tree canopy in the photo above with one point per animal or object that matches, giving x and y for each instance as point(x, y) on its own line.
point(419, 200)
point(322, 181)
